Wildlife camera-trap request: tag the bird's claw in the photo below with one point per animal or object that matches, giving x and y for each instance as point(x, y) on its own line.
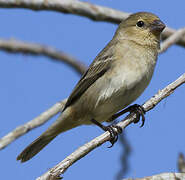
point(111, 129)
point(113, 133)
point(137, 109)
point(140, 112)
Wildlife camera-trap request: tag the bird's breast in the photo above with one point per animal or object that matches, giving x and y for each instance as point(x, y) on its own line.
point(124, 83)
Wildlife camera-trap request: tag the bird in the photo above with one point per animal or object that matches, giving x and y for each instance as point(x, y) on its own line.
point(118, 76)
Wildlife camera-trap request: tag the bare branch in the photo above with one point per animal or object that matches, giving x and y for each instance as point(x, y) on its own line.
point(152, 102)
point(16, 46)
point(70, 6)
point(60, 168)
point(172, 39)
point(94, 12)
point(38, 121)
point(97, 13)
point(162, 176)
point(23, 47)
point(168, 32)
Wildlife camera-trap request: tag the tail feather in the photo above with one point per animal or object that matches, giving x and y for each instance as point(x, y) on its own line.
point(62, 124)
point(34, 148)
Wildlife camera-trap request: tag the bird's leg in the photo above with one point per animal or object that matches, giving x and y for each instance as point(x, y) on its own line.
point(111, 128)
point(139, 110)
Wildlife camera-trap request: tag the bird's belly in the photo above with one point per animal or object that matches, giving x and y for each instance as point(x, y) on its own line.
point(119, 93)
point(113, 92)
point(115, 103)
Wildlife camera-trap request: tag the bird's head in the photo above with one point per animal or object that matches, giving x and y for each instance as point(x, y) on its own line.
point(143, 28)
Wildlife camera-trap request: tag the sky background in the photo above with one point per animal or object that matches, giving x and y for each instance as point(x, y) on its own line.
point(30, 85)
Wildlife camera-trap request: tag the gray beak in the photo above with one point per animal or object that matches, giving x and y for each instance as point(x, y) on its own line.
point(157, 26)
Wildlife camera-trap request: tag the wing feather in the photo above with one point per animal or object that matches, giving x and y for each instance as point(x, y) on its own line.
point(97, 69)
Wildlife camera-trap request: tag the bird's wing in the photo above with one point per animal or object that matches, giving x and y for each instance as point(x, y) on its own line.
point(99, 66)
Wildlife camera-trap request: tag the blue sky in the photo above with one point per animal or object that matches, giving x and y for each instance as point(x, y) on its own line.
point(30, 85)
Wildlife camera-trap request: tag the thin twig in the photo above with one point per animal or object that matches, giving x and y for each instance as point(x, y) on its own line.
point(86, 9)
point(172, 39)
point(60, 168)
point(17, 46)
point(168, 32)
point(38, 121)
point(94, 12)
point(162, 176)
point(12, 46)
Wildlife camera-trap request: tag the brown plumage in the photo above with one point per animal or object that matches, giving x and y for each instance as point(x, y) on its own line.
point(116, 77)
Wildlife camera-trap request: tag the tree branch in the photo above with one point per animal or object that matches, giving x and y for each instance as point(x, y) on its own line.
point(60, 168)
point(174, 38)
point(94, 12)
point(36, 122)
point(162, 176)
point(16, 46)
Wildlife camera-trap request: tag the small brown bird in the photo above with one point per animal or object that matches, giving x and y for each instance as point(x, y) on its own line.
point(116, 78)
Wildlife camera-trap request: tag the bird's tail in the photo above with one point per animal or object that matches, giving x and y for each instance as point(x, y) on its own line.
point(63, 123)
point(35, 147)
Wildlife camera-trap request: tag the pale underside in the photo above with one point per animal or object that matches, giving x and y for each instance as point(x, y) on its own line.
point(130, 74)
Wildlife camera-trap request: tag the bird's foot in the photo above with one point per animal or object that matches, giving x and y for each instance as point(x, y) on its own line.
point(140, 113)
point(137, 109)
point(111, 129)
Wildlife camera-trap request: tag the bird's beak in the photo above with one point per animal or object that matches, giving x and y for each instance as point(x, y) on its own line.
point(157, 26)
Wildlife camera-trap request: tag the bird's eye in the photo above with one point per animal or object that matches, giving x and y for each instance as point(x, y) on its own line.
point(140, 24)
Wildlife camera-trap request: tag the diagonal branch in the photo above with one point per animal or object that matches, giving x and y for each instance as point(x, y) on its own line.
point(45, 116)
point(36, 122)
point(17, 46)
point(55, 172)
point(86, 9)
point(175, 37)
point(94, 12)
point(162, 176)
